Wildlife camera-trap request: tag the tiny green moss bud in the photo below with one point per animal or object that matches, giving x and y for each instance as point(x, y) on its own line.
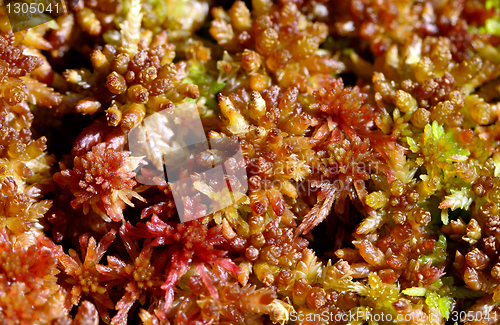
point(399, 217)
point(257, 105)
point(250, 60)
point(377, 200)
point(473, 232)
point(420, 118)
point(116, 83)
point(267, 41)
point(397, 188)
point(424, 70)
point(240, 16)
point(237, 123)
point(405, 102)
point(422, 217)
point(138, 94)
point(457, 98)
point(481, 112)
point(495, 194)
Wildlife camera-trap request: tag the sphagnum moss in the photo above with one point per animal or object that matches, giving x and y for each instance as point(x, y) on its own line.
point(369, 134)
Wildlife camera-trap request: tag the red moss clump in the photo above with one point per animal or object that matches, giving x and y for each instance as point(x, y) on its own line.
point(84, 278)
point(29, 292)
point(102, 180)
point(139, 278)
point(188, 242)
